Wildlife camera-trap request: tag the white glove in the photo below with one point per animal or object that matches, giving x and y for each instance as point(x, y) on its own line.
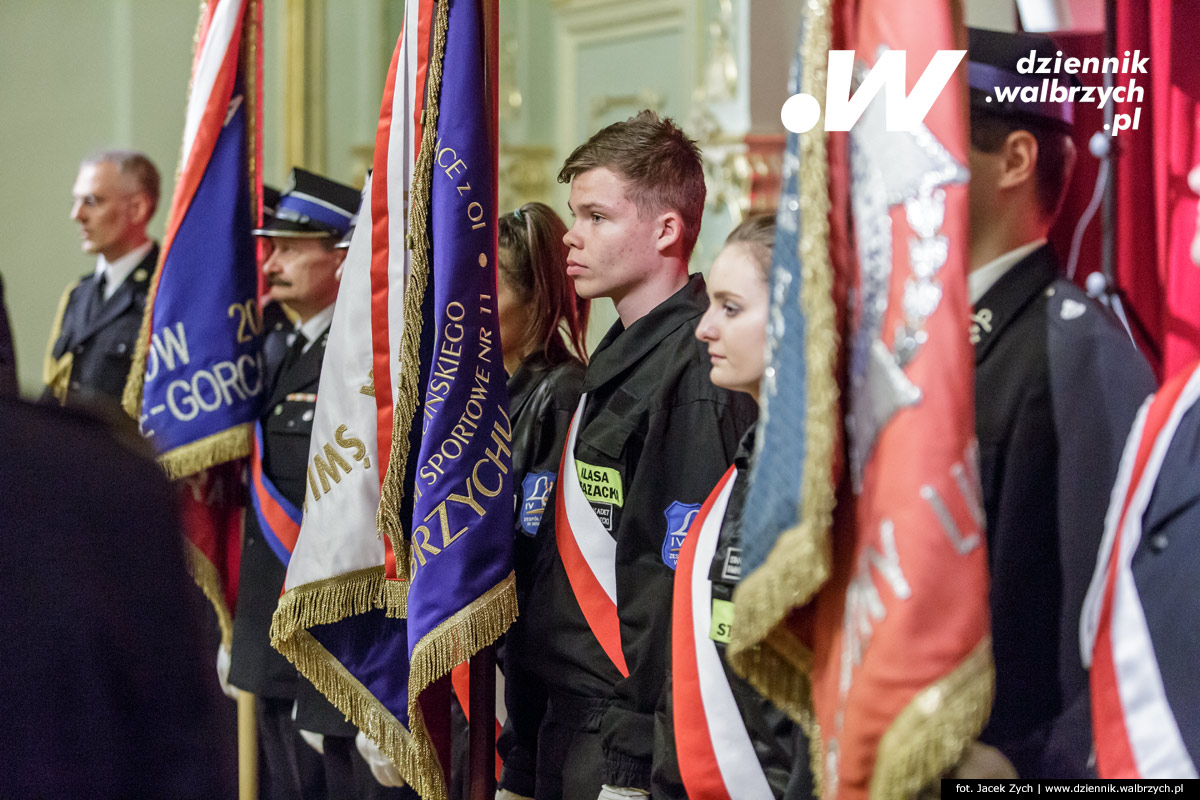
point(314, 740)
point(223, 659)
point(621, 793)
point(383, 770)
point(505, 794)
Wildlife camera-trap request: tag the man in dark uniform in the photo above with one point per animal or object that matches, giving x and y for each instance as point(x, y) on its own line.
point(1057, 385)
point(301, 272)
point(91, 345)
point(650, 439)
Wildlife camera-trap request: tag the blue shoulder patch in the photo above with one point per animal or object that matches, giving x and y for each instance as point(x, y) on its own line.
point(679, 519)
point(536, 491)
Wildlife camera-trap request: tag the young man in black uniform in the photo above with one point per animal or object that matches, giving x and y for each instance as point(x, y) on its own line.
point(91, 344)
point(650, 438)
point(302, 272)
point(1057, 385)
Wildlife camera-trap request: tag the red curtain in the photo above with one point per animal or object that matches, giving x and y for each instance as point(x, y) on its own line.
point(1155, 210)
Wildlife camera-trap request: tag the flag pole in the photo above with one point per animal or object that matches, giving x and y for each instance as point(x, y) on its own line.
point(247, 748)
point(247, 726)
point(482, 693)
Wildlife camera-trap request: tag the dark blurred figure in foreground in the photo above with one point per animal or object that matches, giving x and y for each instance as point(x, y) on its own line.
point(8, 361)
point(106, 685)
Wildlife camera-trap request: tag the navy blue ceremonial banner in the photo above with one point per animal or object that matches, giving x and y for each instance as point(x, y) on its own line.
point(375, 636)
point(201, 380)
point(461, 534)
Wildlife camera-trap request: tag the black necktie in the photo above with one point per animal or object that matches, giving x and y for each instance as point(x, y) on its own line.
point(96, 298)
point(295, 351)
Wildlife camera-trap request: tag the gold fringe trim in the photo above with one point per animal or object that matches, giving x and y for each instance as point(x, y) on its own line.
point(131, 400)
point(442, 649)
point(218, 448)
point(205, 574)
point(395, 598)
point(392, 491)
point(935, 729)
point(56, 372)
point(325, 602)
point(760, 649)
point(367, 714)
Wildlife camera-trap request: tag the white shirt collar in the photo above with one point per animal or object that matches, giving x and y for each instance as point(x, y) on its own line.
point(316, 325)
point(984, 278)
point(117, 271)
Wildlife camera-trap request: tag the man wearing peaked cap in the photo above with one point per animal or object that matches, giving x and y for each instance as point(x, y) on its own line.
point(312, 214)
point(1057, 385)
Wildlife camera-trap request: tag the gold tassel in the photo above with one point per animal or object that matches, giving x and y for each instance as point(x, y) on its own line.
point(56, 372)
point(205, 575)
point(935, 729)
point(395, 598)
point(800, 561)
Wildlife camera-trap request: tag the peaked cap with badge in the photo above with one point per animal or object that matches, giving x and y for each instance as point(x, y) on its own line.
point(992, 63)
point(1057, 385)
point(311, 207)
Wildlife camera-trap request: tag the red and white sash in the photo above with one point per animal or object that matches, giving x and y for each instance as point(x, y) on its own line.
point(588, 552)
point(716, 757)
point(1133, 724)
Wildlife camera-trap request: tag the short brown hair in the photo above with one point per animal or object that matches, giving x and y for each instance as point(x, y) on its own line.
point(1052, 172)
point(533, 264)
point(662, 166)
point(758, 233)
point(134, 164)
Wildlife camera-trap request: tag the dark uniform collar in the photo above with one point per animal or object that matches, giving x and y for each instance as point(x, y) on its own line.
point(1008, 297)
point(131, 290)
point(621, 347)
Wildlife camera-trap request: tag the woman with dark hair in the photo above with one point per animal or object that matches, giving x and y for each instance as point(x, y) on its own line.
point(714, 734)
point(543, 326)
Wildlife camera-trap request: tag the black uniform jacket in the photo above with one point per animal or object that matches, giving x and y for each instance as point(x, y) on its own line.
point(109, 692)
point(8, 361)
point(102, 348)
point(1057, 385)
point(656, 424)
point(1165, 565)
point(541, 398)
point(286, 428)
point(781, 745)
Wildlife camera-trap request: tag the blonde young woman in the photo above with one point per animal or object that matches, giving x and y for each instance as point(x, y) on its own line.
point(715, 735)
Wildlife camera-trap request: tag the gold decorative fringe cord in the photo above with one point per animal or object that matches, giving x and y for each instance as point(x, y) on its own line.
point(218, 448)
point(392, 491)
point(323, 603)
point(56, 373)
point(363, 709)
point(441, 650)
point(205, 574)
point(935, 729)
point(760, 649)
point(326, 602)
